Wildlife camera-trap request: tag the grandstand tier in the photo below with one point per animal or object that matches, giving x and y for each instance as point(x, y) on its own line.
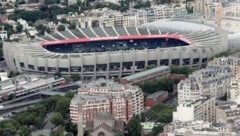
point(113, 52)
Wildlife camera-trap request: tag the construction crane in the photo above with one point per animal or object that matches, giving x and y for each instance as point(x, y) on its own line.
point(219, 13)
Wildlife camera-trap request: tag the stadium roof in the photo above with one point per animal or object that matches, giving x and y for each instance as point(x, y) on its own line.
point(147, 72)
point(177, 25)
point(124, 37)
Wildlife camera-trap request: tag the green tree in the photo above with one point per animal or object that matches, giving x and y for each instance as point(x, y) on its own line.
point(24, 131)
point(181, 70)
point(63, 106)
point(51, 102)
point(19, 28)
point(61, 28)
point(86, 133)
point(57, 119)
point(70, 127)
point(150, 66)
point(134, 126)
point(69, 94)
point(156, 130)
point(72, 26)
point(58, 132)
point(160, 113)
point(75, 77)
point(118, 134)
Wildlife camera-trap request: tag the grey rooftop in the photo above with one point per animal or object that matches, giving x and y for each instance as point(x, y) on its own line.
point(147, 72)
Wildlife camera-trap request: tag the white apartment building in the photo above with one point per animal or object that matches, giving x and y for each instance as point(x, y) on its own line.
point(228, 112)
point(213, 81)
point(232, 62)
point(107, 18)
point(202, 109)
point(198, 128)
point(234, 93)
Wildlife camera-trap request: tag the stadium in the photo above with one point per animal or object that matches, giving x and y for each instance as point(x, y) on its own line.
point(113, 52)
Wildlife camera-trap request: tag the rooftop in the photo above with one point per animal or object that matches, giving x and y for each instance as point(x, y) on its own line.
point(156, 94)
point(104, 116)
point(147, 72)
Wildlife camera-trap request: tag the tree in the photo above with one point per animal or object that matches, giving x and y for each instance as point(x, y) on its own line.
point(158, 84)
point(160, 113)
point(75, 77)
point(61, 28)
point(69, 94)
point(63, 106)
point(58, 132)
point(24, 131)
point(70, 127)
point(57, 119)
point(86, 133)
point(156, 130)
point(134, 126)
point(150, 67)
point(118, 134)
point(181, 70)
point(72, 26)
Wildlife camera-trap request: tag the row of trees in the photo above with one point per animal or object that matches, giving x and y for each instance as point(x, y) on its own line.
point(158, 113)
point(158, 84)
point(35, 117)
point(181, 70)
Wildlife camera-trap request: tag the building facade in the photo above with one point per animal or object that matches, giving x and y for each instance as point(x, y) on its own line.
point(156, 98)
point(122, 101)
point(214, 81)
point(202, 109)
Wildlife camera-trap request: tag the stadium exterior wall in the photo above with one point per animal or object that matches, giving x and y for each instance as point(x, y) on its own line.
point(21, 60)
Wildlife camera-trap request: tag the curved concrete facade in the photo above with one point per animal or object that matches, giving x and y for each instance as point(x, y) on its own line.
point(30, 57)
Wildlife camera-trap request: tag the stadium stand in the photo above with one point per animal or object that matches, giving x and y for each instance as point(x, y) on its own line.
point(121, 31)
point(110, 31)
point(89, 32)
point(78, 33)
point(99, 31)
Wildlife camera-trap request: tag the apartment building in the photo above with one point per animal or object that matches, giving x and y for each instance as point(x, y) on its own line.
point(213, 81)
point(202, 109)
point(228, 112)
point(232, 62)
point(198, 128)
point(122, 101)
point(107, 18)
point(234, 92)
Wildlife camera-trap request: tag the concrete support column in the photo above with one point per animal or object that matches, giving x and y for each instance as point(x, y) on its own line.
point(121, 65)
point(82, 63)
point(46, 64)
point(69, 65)
point(169, 56)
point(146, 57)
point(108, 65)
point(181, 56)
point(95, 67)
point(158, 56)
point(134, 62)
